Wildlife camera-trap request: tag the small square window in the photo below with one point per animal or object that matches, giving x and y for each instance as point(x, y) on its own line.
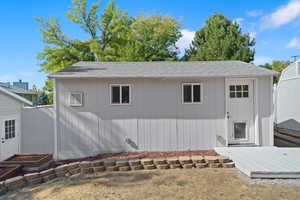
point(192, 93)
point(76, 99)
point(245, 94)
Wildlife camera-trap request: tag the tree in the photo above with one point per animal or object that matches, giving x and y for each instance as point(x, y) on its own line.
point(112, 37)
point(276, 65)
point(153, 38)
point(221, 39)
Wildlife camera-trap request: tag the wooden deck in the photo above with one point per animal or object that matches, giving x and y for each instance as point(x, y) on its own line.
point(265, 162)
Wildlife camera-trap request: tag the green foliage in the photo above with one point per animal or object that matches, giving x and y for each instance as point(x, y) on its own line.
point(44, 96)
point(276, 65)
point(120, 37)
point(87, 19)
point(153, 38)
point(221, 39)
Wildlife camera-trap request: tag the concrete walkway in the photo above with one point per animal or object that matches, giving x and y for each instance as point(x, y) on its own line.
point(265, 162)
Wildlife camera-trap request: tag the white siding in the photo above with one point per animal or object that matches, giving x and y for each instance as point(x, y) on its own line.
point(9, 106)
point(265, 111)
point(37, 130)
point(156, 120)
point(288, 100)
point(288, 97)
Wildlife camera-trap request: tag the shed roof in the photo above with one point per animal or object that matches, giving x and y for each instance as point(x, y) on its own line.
point(162, 69)
point(15, 96)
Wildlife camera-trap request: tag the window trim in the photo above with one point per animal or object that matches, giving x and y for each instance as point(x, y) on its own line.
point(192, 94)
point(81, 99)
point(110, 94)
point(10, 132)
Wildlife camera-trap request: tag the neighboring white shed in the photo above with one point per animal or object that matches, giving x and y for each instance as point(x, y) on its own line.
point(11, 106)
point(288, 98)
point(105, 107)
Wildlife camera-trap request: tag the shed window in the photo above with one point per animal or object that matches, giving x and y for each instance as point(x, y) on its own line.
point(191, 93)
point(76, 99)
point(239, 91)
point(10, 129)
point(120, 94)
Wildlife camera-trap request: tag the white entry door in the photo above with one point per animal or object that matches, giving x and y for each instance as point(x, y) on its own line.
point(240, 111)
point(10, 132)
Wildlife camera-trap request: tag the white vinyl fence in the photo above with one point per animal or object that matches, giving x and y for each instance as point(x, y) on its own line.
point(37, 130)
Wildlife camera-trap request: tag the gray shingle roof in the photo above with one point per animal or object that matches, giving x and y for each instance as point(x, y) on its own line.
point(162, 69)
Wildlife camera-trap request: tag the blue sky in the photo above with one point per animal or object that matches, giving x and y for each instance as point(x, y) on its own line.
point(274, 24)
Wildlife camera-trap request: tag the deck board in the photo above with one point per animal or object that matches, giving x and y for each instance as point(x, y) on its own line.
point(265, 162)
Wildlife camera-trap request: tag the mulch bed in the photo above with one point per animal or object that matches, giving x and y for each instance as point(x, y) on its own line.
point(10, 171)
point(135, 155)
point(25, 158)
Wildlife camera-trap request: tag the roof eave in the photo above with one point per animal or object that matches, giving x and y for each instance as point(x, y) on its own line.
point(17, 97)
point(108, 77)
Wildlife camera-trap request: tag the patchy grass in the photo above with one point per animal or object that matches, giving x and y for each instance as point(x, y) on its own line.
point(157, 184)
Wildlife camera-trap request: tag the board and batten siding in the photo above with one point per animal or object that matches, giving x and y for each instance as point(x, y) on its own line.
point(156, 119)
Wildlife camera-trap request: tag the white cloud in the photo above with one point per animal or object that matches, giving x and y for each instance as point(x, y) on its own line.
point(294, 43)
point(254, 13)
point(185, 41)
point(239, 20)
point(260, 60)
point(283, 15)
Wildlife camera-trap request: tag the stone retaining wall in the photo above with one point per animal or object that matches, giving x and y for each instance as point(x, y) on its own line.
point(97, 166)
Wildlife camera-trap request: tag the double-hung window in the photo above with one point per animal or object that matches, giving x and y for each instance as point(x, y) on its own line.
point(120, 94)
point(191, 93)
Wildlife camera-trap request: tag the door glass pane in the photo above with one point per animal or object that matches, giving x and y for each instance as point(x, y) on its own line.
point(232, 94)
point(232, 88)
point(239, 94)
point(238, 88)
point(245, 94)
point(187, 93)
point(245, 87)
point(197, 93)
point(125, 94)
point(240, 130)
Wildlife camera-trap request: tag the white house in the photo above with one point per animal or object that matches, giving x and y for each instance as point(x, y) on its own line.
point(288, 98)
point(105, 107)
point(11, 106)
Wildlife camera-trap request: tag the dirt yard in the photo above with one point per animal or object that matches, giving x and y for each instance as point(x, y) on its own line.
point(200, 184)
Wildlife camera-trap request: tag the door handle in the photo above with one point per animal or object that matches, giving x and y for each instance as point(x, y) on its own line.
point(227, 114)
